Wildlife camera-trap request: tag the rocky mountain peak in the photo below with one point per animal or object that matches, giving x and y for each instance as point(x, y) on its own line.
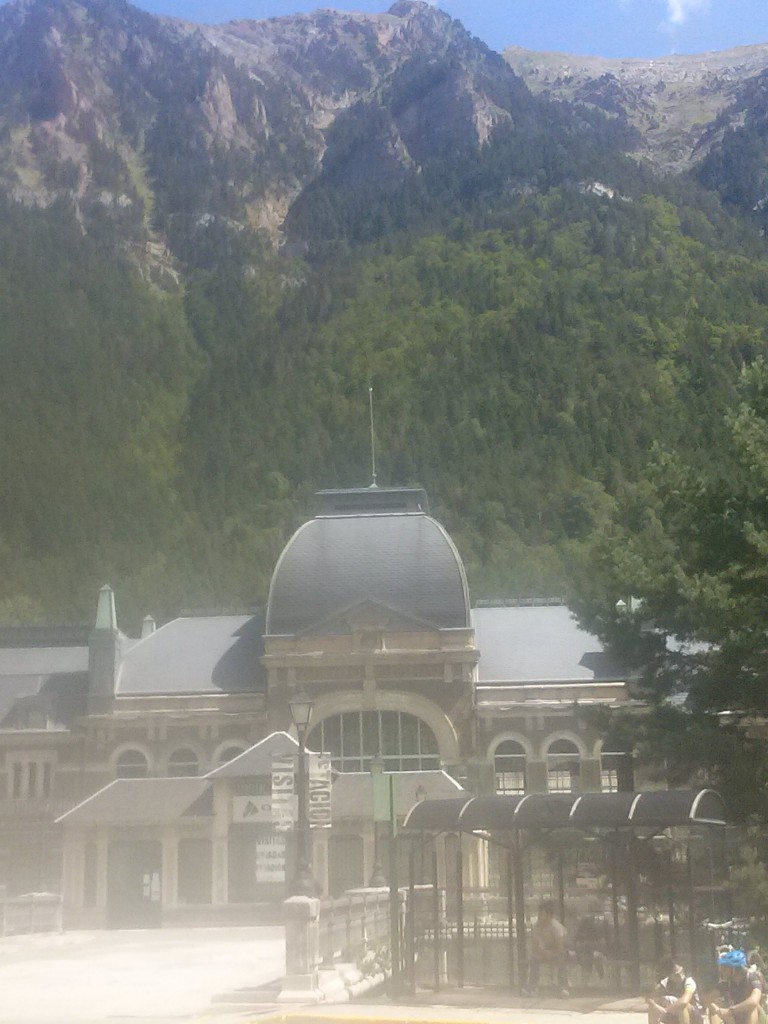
point(673, 102)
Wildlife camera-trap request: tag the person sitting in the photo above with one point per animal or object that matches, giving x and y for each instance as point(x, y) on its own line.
point(741, 991)
point(548, 947)
point(675, 999)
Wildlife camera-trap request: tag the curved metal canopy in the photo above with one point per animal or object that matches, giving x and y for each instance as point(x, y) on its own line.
point(660, 808)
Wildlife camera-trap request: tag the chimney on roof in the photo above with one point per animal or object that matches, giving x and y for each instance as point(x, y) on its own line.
point(103, 654)
point(148, 626)
point(106, 617)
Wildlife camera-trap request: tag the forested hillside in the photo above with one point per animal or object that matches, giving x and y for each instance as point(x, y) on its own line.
point(535, 311)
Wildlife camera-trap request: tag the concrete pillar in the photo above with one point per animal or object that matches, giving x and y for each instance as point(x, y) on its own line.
point(169, 877)
point(537, 776)
point(590, 775)
point(302, 951)
point(222, 805)
point(220, 871)
point(73, 870)
point(102, 870)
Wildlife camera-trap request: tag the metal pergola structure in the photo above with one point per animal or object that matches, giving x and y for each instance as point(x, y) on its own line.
point(623, 821)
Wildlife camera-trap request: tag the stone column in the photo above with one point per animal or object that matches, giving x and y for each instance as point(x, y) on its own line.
point(102, 870)
point(590, 775)
point(302, 951)
point(169, 876)
point(537, 776)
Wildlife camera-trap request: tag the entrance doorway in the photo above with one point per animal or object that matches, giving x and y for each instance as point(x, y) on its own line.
point(134, 895)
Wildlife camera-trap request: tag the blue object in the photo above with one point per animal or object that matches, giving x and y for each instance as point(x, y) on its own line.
point(733, 958)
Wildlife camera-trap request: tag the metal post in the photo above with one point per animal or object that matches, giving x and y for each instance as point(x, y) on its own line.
point(615, 905)
point(560, 885)
point(671, 909)
point(459, 915)
point(304, 881)
point(522, 953)
point(394, 893)
point(510, 922)
point(691, 909)
point(411, 920)
point(632, 923)
point(436, 917)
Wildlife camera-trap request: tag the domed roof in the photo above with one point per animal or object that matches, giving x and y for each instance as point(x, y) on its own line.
point(405, 561)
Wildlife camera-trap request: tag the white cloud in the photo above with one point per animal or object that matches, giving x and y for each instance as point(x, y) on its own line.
point(678, 11)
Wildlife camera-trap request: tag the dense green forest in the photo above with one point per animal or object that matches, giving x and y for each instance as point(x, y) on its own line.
point(526, 355)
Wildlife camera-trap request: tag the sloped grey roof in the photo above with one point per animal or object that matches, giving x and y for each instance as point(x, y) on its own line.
point(42, 661)
point(206, 654)
point(257, 760)
point(406, 562)
point(50, 680)
point(539, 643)
point(352, 792)
point(143, 802)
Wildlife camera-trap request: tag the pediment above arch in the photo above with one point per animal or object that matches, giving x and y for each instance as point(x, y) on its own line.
point(369, 617)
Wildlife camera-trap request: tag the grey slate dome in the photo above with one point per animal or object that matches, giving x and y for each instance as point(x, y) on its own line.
point(403, 560)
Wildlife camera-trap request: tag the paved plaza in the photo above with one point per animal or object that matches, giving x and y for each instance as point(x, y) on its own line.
point(149, 976)
point(197, 975)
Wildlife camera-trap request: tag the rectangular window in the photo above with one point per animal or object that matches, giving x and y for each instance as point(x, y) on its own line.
point(559, 780)
point(47, 778)
point(510, 782)
point(32, 783)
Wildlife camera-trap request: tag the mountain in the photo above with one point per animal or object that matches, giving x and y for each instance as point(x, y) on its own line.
point(164, 129)
point(675, 102)
point(213, 239)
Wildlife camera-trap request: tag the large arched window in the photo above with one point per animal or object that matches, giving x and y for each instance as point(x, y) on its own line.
point(562, 766)
point(509, 767)
point(132, 764)
point(354, 739)
point(183, 762)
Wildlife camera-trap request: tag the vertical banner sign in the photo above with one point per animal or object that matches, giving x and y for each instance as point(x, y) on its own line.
point(319, 803)
point(283, 803)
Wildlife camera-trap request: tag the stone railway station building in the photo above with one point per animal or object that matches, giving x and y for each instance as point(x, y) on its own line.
point(126, 763)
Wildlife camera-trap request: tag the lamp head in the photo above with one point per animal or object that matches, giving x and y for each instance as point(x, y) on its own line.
point(301, 711)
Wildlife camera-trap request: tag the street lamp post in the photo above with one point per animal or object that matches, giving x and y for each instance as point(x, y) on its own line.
point(304, 883)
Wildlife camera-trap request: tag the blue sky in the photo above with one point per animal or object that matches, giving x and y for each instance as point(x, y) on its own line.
point(610, 28)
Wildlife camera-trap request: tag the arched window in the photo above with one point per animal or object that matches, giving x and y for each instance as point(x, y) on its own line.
point(182, 763)
point(509, 767)
point(562, 766)
point(354, 739)
point(132, 764)
point(616, 771)
point(230, 753)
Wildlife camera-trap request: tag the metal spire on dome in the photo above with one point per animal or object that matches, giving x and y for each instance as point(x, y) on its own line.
point(373, 439)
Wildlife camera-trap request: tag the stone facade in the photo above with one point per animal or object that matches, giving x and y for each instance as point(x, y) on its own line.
point(369, 615)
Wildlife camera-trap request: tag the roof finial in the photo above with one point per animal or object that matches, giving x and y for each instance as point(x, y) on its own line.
point(373, 439)
point(106, 617)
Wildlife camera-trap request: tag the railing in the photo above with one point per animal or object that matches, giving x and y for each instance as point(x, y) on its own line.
point(337, 948)
point(33, 912)
point(353, 924)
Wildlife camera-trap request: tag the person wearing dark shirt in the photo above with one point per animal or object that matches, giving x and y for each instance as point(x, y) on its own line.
point(741, 991)
point(675, 999)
